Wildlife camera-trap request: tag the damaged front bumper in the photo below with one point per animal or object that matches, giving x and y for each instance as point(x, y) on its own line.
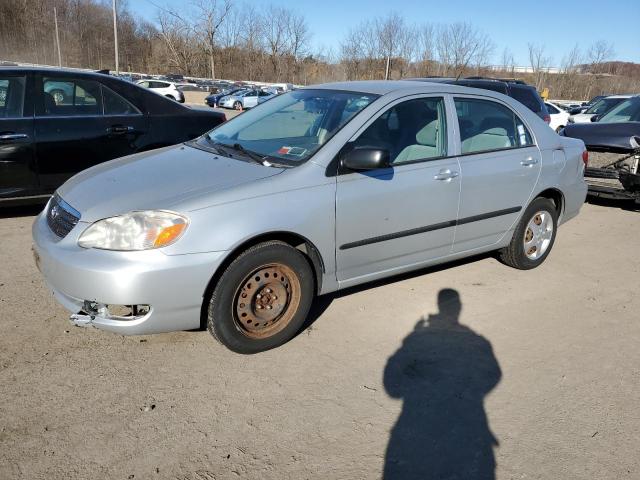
point(129, 293)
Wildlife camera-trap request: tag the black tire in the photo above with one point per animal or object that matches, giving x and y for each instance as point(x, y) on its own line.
point(237, 106)
point(244, 280)
point(514, 254)
point(171, 97)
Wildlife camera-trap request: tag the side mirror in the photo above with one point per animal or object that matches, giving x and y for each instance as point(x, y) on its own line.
point(595, 118)
point(366, 158)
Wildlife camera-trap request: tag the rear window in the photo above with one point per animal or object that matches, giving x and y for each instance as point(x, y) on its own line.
point(528, 97)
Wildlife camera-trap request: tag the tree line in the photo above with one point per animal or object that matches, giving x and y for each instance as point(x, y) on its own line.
point(231, 40)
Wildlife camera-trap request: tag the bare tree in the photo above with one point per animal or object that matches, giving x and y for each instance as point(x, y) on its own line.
point(212, 14)
point(539, 63)
point(425, 35)
point(508, 62)
point(460, 45)
point(599, 53)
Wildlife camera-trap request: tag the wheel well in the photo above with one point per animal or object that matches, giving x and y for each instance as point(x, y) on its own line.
point(556, 197)
point(296, 241)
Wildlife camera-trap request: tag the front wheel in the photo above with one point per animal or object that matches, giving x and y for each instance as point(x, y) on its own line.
point(262, 298)
point(237, 106)
point(534, 236)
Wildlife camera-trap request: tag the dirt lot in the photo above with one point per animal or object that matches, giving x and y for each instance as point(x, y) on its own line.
point(540, 376)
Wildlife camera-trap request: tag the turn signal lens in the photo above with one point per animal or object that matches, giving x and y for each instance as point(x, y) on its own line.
point(168, 235)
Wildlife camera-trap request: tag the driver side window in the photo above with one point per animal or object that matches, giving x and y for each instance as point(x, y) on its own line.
point(411, 131)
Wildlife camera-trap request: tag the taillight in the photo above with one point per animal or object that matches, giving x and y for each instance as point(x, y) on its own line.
point(547, 118)
point(585, 158)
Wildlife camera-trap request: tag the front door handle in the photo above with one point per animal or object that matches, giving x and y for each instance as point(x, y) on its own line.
point(7, 137)
point(120, 129)
point(529, 162)
point(445, 175)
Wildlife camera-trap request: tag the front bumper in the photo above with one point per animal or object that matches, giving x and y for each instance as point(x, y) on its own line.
point(172, 285)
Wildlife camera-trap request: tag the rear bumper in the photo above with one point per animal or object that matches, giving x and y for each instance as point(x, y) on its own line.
point(172, 285)
point(574, 197)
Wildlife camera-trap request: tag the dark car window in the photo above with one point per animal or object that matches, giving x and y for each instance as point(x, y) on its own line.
point(410, 131)
point(11, 96)
point(486, 125)
point(528, 97)
point(64, 97)
point(551, 109)
point(499, 87)
point(114, 104)
point(627, 111)
point(603, 105)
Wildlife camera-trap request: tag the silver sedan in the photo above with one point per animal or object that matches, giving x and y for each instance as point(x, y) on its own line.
point(317, 190)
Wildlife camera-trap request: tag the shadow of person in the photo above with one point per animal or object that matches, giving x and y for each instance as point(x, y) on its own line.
point(442, 372)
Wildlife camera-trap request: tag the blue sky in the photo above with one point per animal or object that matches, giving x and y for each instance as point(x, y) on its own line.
point(556, 24)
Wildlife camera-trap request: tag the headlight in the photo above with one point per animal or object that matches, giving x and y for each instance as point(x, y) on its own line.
point(134, 231)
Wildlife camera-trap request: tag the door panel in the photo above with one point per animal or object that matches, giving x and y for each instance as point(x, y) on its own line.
point(402, 216)
point(393, 218)
point(499, 169)
point(18, 175)
point(495, 188)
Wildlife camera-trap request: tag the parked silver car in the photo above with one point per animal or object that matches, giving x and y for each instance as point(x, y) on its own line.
point(245, 99)
point(317, 190)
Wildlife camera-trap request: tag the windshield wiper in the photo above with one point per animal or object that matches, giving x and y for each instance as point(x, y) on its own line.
point(253, 155)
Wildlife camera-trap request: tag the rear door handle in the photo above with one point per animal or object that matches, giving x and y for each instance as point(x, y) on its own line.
point(445, 175)
point(7, 137)
point(120, 129)
point(529, 162)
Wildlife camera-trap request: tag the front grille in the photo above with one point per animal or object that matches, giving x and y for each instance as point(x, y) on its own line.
point(61, 217)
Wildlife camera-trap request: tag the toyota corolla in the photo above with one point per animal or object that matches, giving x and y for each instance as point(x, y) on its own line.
point(317, 190)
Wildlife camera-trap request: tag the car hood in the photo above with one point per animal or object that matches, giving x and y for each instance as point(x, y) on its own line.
point(159, 179)
point(610, 137)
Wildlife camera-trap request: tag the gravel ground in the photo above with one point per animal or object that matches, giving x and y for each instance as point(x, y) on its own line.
point(449, 370)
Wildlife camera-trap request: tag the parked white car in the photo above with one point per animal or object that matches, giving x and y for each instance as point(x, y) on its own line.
point(166, 89)
point(601, 107)
point(559, 116)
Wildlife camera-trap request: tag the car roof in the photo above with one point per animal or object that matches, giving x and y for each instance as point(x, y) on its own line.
point(383, 87)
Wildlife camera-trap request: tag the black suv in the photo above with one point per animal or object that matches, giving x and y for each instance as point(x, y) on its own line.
point(525, 94)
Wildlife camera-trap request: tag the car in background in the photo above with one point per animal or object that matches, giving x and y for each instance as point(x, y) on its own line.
point(166, 89)
point(559, 116)
point(367, 179)
point(213, 100)
point(45, 140)
point(600, 107)
point(612, 131)
point(525, 94)
point(245, 99)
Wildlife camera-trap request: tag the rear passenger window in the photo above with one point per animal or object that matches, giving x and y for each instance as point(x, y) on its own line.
point(486, 125)
point(410, 131)
point(114, 104)
point(11, 97)
point(527, 97)
point(65, 97)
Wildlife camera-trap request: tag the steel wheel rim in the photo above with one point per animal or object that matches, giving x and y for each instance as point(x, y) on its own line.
point(266, 300)
point(58, 97)
point(538, 235)
point(238, 106)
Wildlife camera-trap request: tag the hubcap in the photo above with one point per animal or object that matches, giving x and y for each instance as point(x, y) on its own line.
point(267, 300)
point(538, 235)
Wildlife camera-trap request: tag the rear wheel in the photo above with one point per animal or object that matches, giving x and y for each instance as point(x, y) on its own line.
point(534, 236)
point(262, 298)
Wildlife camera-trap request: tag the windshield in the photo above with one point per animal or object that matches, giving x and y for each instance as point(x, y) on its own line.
point(627, 111)
point(291, 127)
point(603, 105)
